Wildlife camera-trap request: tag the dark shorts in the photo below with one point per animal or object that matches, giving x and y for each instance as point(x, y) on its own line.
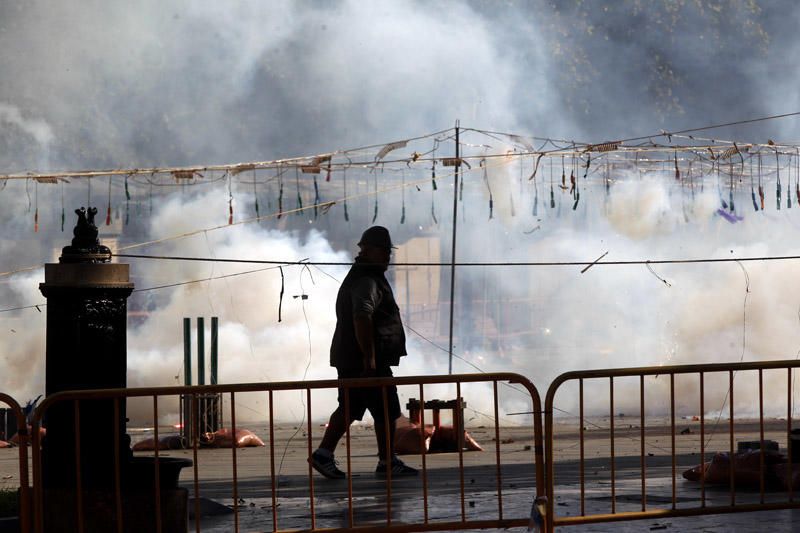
point(363, 398)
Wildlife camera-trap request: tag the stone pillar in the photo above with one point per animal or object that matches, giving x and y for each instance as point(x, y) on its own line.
point(86, 349)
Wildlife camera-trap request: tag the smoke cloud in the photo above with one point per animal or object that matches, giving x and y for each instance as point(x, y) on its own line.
point(202, 82)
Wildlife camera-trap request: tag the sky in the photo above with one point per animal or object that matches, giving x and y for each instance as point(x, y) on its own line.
point(101, 84)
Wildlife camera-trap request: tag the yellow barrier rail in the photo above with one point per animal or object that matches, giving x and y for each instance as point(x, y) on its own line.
point(503, 515)
point(636, 483)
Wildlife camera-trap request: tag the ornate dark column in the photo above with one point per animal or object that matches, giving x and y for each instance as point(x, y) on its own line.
point(86, 349)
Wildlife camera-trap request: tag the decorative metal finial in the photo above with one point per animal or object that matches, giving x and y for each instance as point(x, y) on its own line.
point(85, 247)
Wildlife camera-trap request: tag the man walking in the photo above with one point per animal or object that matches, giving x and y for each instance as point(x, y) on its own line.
point(368, 340)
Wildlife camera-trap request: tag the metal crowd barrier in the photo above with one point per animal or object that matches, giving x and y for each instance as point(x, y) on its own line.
point(22, 446)
point(503, 515)
point(626, 497)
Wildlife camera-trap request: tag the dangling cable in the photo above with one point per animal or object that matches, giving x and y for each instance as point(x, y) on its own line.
point(552, 195)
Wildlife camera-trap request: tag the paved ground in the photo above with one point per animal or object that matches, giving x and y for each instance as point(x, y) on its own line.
point(443, 483)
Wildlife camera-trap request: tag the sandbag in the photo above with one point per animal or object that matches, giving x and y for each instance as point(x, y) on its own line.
point(170, 442)
point(785, 481)
point(222, 438)
point(409, 438)
point(15, 439)
point(746, 469)
point(444, 440)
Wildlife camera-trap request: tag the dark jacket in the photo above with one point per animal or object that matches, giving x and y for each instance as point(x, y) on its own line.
point(366, 290)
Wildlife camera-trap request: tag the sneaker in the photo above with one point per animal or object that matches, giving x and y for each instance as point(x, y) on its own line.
point(326, 466)
point(398, 468)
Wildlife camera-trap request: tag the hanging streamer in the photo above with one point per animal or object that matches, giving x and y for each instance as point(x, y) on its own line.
point(280, 298)
point(344, 180)
point(316, 197)
point(778, 181)
point(280, 193)
point(677, 170)
point(108, 205)
point(230, 199)
point(760, 187)
point(299, 202)
point(588, 164)
point(127, 202)
point(552, 195)
point(488, 188)
point(403, 199)
point(433, 164)
point(730, 190)
point(752, 187)
point(719, 187)
point(536, 166)
point(797, 178)
point(255, 193)
point(535, 188)
point(789, 186)
point(576, 194)
point(433, 207)
point(63, 214)
point(328, 173)
point(36, 212)
point(375, 210)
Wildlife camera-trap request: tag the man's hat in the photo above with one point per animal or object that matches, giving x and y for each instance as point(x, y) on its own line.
point(376, 236)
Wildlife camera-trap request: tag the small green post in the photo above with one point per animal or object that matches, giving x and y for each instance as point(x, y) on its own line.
point(187, 352)
point(214, 349)
point(201, 352)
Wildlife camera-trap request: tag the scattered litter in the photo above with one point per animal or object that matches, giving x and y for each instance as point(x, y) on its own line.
point(471, 503)
point(506, 441)
point(526, 448)
point(686, 431)
point(658, 526)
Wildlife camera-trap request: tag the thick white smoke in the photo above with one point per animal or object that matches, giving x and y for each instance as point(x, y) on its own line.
point(202, 82)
